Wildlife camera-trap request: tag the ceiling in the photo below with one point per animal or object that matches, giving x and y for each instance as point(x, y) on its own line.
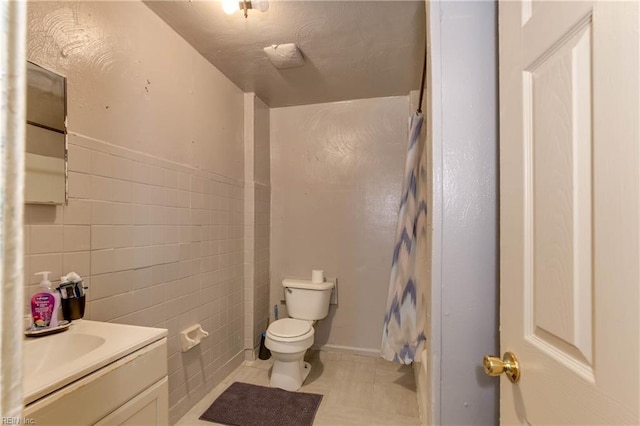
point(352, 49)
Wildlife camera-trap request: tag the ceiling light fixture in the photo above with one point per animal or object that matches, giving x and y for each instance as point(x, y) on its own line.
point(232, 6)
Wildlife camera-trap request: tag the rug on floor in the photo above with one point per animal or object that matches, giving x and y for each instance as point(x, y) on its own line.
point(243, 404)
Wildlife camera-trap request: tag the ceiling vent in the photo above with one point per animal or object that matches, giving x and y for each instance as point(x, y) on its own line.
point(284, 55)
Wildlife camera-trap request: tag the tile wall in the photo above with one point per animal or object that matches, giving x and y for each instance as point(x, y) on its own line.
point(158, 243)
point(156, 182)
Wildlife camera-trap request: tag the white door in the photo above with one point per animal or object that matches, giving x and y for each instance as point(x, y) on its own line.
point(570, 211)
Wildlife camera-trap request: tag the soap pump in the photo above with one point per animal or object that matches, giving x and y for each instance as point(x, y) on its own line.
point(45, 304)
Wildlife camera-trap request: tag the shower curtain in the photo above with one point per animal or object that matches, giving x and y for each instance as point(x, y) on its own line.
point(13, 18)
point(403, 333)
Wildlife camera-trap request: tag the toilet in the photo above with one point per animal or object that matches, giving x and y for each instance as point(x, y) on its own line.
point(289, 338)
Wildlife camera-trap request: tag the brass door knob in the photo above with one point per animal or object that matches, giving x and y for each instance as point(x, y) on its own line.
point(494, 366)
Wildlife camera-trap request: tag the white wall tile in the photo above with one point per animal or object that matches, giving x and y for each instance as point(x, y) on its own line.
point(102, 237)
point(77, 212)
point(170, 179)
point(102, 213)
point(158, 234)
point(108, 189)
point(173, 252)
point(110, 284)
point(102, 261)
point(156, 176)
point(124, 168)
point(140, 193)
point(184, 198)
point(45, 262)
point(140, 214)
point(123, 258)
point(173, 216)
point(141, 235)
point(78, 262)
point(78, 159)
point(140, 172)
point(103, 164)
point(77, 238)
point(46, 239)
point(142, 257)
point(171, 197)
point(158, 254)
point(79, 185)
point(143, 277)
point(184, 181)
point(156, 195)
point(157, 215)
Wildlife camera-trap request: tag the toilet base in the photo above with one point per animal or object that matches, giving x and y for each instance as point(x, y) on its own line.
point(289, 375)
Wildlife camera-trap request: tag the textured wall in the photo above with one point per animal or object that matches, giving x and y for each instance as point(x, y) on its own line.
point(336, 175)
point(135, 83)
point(262, 162)
point(466, 88)
point(154, 221)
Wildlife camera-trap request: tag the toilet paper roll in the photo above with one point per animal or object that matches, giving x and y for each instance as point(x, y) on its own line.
point(317, 276)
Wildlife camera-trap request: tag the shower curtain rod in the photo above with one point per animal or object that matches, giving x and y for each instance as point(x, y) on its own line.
point(424, 75)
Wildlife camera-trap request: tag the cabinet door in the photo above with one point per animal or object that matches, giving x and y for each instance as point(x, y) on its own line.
point(151, 407)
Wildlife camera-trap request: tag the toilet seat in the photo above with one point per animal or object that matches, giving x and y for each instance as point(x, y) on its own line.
point(290, 330)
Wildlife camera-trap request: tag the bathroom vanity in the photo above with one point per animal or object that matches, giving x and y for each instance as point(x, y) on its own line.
point(97, 373)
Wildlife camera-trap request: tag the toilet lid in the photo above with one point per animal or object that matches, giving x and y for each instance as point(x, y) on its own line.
point(289, 327)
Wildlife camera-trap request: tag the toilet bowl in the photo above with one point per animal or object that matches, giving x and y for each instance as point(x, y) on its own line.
point(289, 338)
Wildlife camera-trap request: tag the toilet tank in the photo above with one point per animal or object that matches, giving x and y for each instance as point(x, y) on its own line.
point(307, 300)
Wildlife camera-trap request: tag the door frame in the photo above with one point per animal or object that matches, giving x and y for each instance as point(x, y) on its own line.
point(441, 42)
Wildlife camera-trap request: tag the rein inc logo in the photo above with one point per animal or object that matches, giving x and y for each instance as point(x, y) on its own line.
point(17, 421)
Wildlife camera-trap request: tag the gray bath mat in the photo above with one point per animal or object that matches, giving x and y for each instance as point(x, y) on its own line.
point(243, 404)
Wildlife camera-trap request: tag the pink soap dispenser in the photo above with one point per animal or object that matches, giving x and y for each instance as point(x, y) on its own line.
point(45, 304)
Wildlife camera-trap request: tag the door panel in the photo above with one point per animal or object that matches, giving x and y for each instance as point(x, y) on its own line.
point(570, 190)
point(558, 280)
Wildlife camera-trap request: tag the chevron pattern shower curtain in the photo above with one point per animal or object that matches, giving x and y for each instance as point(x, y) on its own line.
point(404, 321)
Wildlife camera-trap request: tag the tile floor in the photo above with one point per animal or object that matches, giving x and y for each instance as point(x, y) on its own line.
point(357, 390)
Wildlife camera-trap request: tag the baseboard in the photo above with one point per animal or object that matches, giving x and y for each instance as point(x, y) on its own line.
point(348, 349)
point(250, 354)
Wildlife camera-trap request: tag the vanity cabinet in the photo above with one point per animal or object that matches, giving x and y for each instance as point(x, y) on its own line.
point(130, 391)
point(148, 408)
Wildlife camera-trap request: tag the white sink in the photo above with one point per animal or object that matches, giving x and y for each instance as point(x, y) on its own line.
point(65, 348)
point(51, 362)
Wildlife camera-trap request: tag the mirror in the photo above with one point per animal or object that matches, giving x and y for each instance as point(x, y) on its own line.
point(46, 137)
